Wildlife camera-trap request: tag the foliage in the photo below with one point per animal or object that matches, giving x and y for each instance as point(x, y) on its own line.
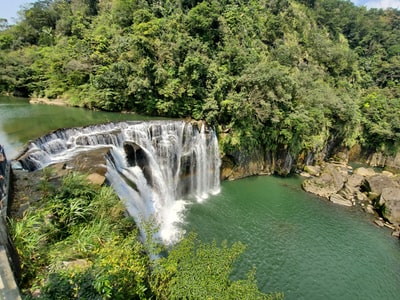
point(77, 243)
point(196, 270)
point(276, 74)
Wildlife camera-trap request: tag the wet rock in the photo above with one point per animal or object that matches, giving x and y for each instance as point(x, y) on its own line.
point(93, 161)
point(241, 164)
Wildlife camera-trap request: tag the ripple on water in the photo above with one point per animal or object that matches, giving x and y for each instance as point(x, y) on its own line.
point(302, 245)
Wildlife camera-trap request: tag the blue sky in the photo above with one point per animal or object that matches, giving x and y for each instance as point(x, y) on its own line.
point(9, 8)
point(378, 3)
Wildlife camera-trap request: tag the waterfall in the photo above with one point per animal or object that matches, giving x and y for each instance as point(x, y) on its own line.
point(155, 167)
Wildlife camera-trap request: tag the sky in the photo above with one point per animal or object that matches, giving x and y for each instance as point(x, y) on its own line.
point(378, 3)
point(9, 8)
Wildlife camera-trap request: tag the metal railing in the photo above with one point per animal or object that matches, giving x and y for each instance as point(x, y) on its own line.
point(9, 261)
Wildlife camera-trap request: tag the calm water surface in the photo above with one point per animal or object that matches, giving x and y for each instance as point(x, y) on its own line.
point(301, 245)
point(304, 246)
point(21, 121)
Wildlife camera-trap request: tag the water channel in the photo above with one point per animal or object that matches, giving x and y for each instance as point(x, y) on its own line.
point(299, 244)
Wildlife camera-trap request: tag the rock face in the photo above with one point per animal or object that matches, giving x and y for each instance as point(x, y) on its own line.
point(239, 164)
point(259, 161)
point(380, 160)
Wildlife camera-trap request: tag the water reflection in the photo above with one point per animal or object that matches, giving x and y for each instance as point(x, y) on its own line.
point(21, 121)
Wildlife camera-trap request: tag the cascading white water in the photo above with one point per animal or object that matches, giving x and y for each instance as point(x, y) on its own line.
point(153, 166)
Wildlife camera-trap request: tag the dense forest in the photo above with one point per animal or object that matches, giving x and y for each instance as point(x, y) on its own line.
point(275, 74)
point(288, 74)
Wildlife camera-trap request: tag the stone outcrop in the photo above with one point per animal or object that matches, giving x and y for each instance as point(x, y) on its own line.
point(259, 161)
point(328, 183)
point(239, 164)
point(364, 171)
point(377, 193)
point(380, 160)
point(390, 200)
point(375, 184)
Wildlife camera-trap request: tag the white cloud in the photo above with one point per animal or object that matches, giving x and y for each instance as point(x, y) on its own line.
point(378, 3)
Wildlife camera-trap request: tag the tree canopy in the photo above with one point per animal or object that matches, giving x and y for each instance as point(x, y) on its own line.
point(277, 74)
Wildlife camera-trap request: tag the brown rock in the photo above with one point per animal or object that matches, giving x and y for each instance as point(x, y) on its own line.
point(365, 172)
point(375, 184)
point(330, 182)
point(313, 170)
point(390, 199)
point(96, 178)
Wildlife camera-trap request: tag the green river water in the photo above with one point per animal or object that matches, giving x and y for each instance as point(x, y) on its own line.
point(299, 244)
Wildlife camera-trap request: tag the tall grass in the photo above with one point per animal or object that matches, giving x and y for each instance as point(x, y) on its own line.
point(77, 242)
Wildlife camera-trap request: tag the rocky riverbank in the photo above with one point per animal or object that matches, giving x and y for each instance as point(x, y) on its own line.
point(376, 192)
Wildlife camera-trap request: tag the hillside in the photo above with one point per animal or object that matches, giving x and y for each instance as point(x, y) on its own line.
point(294, 76)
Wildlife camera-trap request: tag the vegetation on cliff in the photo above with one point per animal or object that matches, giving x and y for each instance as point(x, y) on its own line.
point(290, 74)
point(76, 242)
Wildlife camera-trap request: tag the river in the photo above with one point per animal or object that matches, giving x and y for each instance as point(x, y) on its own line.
point(299, 244)
point(21, 121)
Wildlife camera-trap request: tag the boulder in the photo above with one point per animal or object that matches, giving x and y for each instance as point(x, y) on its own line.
point(365, 172)
point(96, 178)
point(330, 182)
point(305, 174)
point(390, 199)
point(387, 173)
point(369, 209)
point(375, 184)
point(338, 199)
point(360, 196)
point(313, 170)
point(354, 182)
